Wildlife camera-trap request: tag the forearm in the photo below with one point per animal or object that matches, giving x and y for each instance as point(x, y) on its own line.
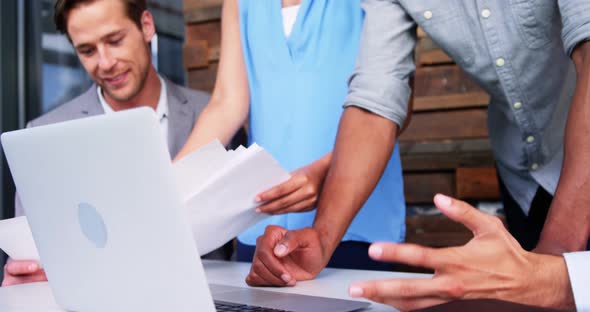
point(568, 221)
point(363, 147)
point(212, 124)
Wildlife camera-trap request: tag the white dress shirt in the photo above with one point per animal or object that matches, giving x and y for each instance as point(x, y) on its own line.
point(161, 109)
point(578, 267)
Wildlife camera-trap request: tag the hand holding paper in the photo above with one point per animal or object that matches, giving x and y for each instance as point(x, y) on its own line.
point(222, 203)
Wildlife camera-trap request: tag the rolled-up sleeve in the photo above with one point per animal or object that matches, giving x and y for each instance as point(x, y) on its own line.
point(385, 61)
point(575, 17)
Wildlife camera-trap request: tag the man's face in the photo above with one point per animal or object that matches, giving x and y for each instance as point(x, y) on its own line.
point(112, 49)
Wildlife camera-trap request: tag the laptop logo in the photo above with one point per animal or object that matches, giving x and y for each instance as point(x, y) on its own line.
point(92, 225)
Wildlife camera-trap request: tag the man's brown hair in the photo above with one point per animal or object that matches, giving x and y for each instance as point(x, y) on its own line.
point(134, 10)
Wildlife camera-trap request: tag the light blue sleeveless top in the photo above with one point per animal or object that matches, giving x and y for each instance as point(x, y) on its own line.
point(297, 88)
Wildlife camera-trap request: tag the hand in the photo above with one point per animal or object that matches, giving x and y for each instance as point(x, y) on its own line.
point(21, 272)
point(298, 194)
point(491, 265)
point(284, 257)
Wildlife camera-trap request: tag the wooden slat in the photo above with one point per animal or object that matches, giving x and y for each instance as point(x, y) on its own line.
point(208, 31)
point(443, 80)
point(447, 146)
point(202, 15)
point(421, 187)
point(477, 183)
point(434, 57)
point(191, 5)
point(444, 125)
point(449, 161)
point(451, 101)
point(195, 54)
point(203, 79)
point(436, 231)
point(446, 155)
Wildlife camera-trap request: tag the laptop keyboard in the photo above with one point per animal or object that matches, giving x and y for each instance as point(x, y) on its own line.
point(222, 306)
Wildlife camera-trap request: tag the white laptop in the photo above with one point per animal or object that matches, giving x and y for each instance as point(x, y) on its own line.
point(100, 197)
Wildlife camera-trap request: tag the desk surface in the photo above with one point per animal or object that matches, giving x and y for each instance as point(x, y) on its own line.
point(330, 283)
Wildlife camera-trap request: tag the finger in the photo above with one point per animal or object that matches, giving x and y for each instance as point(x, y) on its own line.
point(267, 265)
point(404, 289)
point(289, 243)
point(264, 255)
point(282, 189)
point(265, 274)
point(254, 280)
point(462, 212)
point(10, 280)
point(294, 202)
point(302, 206)
point(409, 254)
point(22, 267)
point(411, 304)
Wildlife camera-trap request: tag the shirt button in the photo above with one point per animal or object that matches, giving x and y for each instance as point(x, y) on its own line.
point(517, 105)
point(530, 139)
point(534, 166)
point(485, 13)
point(500, 62)
point(427, 15)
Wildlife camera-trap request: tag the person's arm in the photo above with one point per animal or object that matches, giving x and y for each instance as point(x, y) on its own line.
point(375, 108)
point(228, 107)
point(491, 265)
point(568, 221)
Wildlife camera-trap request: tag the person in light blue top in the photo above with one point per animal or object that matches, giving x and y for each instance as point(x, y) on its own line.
point(294, 63)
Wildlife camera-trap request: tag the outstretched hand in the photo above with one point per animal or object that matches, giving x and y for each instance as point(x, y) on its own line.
point(491, 265)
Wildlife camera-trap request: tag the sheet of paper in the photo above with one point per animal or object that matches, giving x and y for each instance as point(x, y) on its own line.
point(193, 170)
point(225, 206)
point(16, 239)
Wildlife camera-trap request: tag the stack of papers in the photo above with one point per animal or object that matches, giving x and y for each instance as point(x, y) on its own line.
point(218, 188)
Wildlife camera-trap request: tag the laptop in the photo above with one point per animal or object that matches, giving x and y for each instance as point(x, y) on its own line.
point(110, 227)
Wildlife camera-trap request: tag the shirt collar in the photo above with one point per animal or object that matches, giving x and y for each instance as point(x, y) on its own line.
point(161, 108)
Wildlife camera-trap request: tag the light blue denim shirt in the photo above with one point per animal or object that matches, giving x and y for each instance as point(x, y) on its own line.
point(517, 50)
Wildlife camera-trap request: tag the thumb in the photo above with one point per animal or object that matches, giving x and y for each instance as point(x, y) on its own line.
point(289, 243)
point(22, 267)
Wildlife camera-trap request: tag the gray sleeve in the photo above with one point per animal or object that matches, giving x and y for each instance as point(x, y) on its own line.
point(575, 17)
point(385, 61)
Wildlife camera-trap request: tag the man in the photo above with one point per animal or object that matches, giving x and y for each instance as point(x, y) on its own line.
point(519, 51)
point(492, 265)
point(112, 40)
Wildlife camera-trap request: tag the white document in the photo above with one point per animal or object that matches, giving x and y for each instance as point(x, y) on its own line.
point(217, 186)
point(193, 170)
point(16, 239)
point(225, 205)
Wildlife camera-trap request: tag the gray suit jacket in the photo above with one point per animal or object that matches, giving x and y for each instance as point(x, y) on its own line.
point(184, 107)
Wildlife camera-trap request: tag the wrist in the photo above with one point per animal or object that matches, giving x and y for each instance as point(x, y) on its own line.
point(552, 282)
point(327, 241)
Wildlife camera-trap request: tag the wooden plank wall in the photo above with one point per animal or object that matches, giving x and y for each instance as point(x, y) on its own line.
point(444, 149)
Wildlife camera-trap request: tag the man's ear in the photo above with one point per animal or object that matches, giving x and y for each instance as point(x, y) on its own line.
point(148, 27)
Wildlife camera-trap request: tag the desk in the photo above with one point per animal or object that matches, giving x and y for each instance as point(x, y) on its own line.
point(334, 283)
